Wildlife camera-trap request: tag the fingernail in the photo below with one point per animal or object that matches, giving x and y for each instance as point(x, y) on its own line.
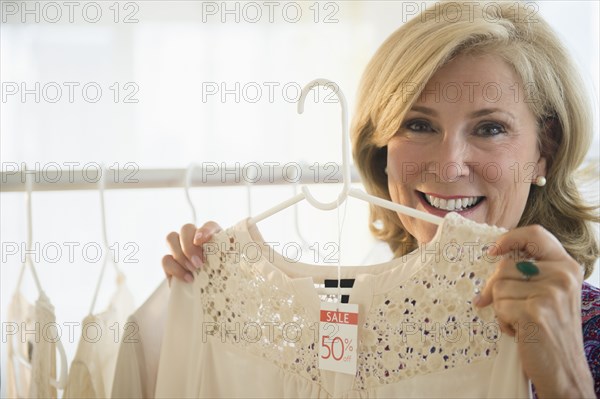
point(196, 261)
point(189, 266)
point(198, 236)
point(188, 277)
point(476, 299)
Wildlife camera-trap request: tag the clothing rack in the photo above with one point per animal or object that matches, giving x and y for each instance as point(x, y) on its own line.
point(208, 174)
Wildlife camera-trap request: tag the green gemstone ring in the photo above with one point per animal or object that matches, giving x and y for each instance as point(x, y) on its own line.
point(528, 269)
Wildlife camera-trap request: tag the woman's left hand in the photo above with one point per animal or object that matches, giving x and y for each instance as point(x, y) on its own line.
point(543, 312)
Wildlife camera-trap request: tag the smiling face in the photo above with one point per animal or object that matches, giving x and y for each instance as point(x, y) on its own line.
point(468, 144)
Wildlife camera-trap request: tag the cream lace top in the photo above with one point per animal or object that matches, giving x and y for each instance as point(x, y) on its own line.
point(248, 324)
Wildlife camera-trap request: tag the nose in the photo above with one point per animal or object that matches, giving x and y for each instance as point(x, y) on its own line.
point(449, 159)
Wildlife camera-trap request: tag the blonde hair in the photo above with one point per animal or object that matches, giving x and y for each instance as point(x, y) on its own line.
point(406, 61)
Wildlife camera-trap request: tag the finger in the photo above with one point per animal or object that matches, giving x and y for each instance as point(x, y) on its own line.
point(173, 268)
point(508, 281)
point(174, 244)
point(206, 232)
point(507, 329)
point(524, 270)
point(203, 235)
point(511, 313)
point(190, 251)
point(486, 296)
point(535, 241)
point(505, 275)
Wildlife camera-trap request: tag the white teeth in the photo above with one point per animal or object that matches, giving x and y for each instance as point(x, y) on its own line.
point(451, 204)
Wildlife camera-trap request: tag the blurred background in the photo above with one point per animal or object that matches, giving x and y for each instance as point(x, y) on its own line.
point(161, 84)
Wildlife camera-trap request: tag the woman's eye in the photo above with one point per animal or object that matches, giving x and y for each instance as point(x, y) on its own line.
point(418, 126)
point(490, 129)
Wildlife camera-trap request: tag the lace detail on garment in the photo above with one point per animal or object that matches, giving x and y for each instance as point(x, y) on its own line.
point(428, 323)
point(243, 309)
point(423, 325)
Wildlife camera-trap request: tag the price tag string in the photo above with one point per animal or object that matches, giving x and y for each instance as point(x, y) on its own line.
point(340, 225)
point(338, 323)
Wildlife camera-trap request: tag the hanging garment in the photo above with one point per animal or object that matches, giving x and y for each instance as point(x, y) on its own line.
point(31, 362)
point(92, 370)
point(248, 324)
point(139, 351)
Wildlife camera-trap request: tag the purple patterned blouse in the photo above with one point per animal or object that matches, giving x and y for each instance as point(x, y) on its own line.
point(590, 315)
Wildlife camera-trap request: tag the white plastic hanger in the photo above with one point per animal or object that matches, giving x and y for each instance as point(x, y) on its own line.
point(187, 184)
point(304, 244)
point(346, 190)
point(346, 177)
point(108, 255)
point(61, 382)
point(250, 177)
point(249, 197)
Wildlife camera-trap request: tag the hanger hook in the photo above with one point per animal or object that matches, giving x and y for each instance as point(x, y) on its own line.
point(101, 188)
point(188, 182)
point(28, 260)
point(29, 188)
point(249, 197)
point(107, 256)
point(346, 178)
point(305, 244)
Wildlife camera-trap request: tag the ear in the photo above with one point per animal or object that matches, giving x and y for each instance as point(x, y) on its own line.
point(548, 145)
point(541, 167)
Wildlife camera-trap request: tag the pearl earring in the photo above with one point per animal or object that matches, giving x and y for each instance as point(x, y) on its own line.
point(385, 170)
point(540, 181)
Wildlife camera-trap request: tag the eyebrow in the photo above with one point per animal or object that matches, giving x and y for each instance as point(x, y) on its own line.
point(476, 114)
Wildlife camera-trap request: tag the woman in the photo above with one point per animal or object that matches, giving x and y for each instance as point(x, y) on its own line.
point(476, 108)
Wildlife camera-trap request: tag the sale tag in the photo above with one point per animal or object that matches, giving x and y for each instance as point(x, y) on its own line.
point(338, 329)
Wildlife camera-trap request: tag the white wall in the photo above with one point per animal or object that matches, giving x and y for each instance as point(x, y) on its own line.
point(166, 60)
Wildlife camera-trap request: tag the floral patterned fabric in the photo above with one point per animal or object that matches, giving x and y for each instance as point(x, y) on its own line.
point(590, 317)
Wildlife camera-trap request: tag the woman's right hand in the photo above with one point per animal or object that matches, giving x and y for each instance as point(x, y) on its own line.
point(186, 250)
